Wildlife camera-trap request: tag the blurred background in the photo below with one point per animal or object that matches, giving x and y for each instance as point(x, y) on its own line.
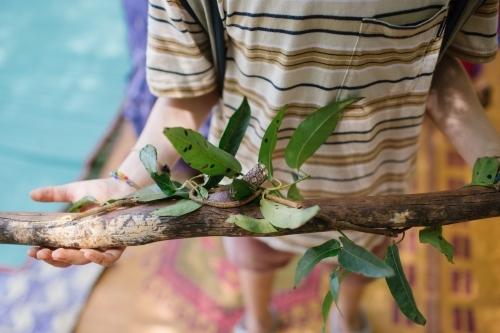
point(72, 100)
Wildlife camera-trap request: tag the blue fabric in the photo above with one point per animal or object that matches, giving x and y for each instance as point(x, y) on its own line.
point(63, 72)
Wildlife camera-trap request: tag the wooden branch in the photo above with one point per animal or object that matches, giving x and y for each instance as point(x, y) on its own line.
point(135, 226)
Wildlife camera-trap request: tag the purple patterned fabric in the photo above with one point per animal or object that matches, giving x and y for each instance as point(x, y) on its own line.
point(39, 298)
point(138, 101)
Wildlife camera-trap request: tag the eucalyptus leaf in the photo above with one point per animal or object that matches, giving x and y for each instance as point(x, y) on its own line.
point(180, 208)
point(335, 286)
point(484, 171)
point(203, 192)
point(325, 308)
point(313, 256)
point(149, 157)
point(242, 189)
point(400, 288)
point(110, 201)
point(294, 193)
point(313, 132)
point(258, 226)
point(154, 193)
point(286, 217)
point(434, 236)
point(232, 136)
point(268, 143)
point(80, 203)
point(201, 154)
point(359, 260)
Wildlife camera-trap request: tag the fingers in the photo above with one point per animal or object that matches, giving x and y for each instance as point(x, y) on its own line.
point(106, 258)
point(51, 193)
point(59, 258)
point(68, 257)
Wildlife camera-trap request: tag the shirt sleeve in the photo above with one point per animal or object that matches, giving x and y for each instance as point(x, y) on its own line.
point(477, 40)
point(178, 58)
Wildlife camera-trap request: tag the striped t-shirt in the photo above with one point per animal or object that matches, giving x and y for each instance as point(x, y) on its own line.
point(306, 54)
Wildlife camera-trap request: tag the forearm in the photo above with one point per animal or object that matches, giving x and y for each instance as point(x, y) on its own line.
point(455, 109)
point(189, 113)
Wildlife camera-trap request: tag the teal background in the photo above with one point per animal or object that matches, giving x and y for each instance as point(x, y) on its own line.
point(63, 71)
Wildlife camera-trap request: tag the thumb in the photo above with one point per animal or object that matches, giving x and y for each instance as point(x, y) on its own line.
point(51, 193)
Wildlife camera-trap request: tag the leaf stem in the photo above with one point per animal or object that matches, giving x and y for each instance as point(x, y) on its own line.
point(404, 234)
point(281, 186)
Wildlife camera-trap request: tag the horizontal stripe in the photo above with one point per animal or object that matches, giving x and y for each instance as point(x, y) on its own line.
point(472, 33)
point(334, 32)
point(174, 26)
point(180, 73)
point(407, 78)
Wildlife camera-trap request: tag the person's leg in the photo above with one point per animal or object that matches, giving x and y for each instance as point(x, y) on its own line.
point(256, 263)
point(349, 303)
point(256, 288)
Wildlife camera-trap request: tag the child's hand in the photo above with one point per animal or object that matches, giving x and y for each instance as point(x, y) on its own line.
point(100, 189)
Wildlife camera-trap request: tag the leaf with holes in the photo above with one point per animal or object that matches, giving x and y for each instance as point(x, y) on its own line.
point(80, 203)
point(286, 217)
point(233, 135)
point(182, 207)
point(269, 142)
point(201, 154)
point(484, 172)
point(313, 256)
point(242, 189)
point(434, 236)
point(149, 158)
point(359, 260)
point(400, 288)
point(258, 226)
point(313, 132)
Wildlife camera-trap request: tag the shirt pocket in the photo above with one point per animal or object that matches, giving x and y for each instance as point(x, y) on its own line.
point(392, 56)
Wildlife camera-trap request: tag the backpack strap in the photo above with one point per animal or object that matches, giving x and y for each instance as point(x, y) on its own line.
point(456, 19)
point(206, 13)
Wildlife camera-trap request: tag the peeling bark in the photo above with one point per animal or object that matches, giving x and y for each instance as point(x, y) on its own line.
point(135, 226)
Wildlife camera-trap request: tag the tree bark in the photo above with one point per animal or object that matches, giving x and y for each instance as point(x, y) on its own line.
point(135, 226)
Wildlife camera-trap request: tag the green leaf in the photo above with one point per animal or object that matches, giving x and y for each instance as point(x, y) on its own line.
point(335, 286)
point(201, 154)
point(269, 143)
point(154, 193)
point(286, 217)
point(485, 170)
point(325, 309)
point(359, 260)
point(149, 157)
point(80, 203)
point(182, 207)
point(242, 189)
point(313, 256)
point(293, 192)
point(313, 132)
point(400, 288)
point(259, 226)
point(434, 236)
point(233, 135)
point(203, 192)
